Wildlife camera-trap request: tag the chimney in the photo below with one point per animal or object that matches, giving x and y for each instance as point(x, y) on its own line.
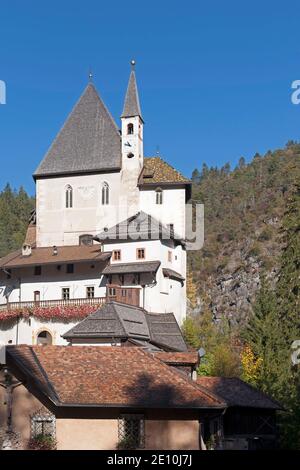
point(26, 249)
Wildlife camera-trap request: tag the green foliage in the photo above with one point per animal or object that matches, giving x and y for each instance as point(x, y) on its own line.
point(15, 209)
point(241, 206)
point(221, 356)
point(276, 324)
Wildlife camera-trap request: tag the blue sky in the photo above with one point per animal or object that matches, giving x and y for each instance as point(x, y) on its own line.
point(214, 77)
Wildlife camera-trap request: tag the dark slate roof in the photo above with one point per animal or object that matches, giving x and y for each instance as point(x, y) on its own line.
point(140, 226)
point(112, 320)
point(235, 392)
point(165, 331)
point(121, 321)
point(172, 274)
point(131, 268)
point(88, 141)
point(132, 103)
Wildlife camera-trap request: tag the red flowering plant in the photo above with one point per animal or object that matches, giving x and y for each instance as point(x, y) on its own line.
point(64, 313)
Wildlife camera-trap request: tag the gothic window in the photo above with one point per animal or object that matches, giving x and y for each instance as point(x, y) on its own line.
point(131, 431)
point(159, 196)
point(42, 424)
point(105, 194)
point(69, 197)
point(130, 129)
point(44, 338)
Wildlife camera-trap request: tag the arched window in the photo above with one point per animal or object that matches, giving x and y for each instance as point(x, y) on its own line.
point(44, 338)
point(105, 194)
point(159, 196)
point(69, 197)
point(130, 129)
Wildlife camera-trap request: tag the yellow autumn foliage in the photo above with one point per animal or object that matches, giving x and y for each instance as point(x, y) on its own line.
point(251, 365)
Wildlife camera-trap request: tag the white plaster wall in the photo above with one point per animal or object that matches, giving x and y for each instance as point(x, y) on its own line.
point(57, 225)
point(51, 282)
point(26, 331)
point(172, 211)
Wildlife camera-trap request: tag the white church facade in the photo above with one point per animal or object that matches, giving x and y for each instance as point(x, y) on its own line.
point(109, 225)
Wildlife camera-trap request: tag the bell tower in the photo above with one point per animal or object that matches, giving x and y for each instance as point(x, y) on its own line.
point(132, 143)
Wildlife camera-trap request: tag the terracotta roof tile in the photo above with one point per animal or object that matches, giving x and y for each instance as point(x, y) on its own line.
point(157, 171)
point(178, 358)
point(65, 254)
point(110, 376)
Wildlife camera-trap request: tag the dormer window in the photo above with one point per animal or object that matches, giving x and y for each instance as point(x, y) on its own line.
point(69, 197)
point(86, 239)
point(159, 196)
point(105, 194)
point(130, 129)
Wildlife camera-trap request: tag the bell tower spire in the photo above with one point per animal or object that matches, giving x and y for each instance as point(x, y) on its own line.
point(132, 126)
point(132, 144)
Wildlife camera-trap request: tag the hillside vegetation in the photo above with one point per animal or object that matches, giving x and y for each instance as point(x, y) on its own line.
point(244, 208)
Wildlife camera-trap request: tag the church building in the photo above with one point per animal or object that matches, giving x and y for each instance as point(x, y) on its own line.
point(109, 225)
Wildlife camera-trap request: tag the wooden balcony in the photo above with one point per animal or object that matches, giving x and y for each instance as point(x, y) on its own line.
point(126, 295)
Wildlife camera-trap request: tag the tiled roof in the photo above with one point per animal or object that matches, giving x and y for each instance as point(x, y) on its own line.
point(165, 331)
point(158, 171)
point(131, 268)
point(121, 321)
point(113, 320)
point(106, 376)
point(65, 254)
point(178, 358)
point(140, 226)
point(235, 392)
point(88, 141)
point(132, 102)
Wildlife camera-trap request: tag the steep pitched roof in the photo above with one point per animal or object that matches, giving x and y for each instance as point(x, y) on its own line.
point(88, 141)
point(112, 320)
point(157, 171)
point(140, 226)
point(235, 392)
point(106, 377)
point(132, 103)
point(165, 331)
point(118, 320)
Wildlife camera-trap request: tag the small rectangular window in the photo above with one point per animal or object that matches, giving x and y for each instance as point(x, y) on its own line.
point(37, 270)
point(170, 256)
point(90, 292)
point(140, 253)
point(65, 293)
point(159, 196)
point(117, 255)
point(70, 268)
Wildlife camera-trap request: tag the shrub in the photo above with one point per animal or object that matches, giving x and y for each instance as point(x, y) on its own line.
point(42, 442)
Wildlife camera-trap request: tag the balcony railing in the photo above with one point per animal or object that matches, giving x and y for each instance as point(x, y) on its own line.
point(53, 303)
point(127, 295)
